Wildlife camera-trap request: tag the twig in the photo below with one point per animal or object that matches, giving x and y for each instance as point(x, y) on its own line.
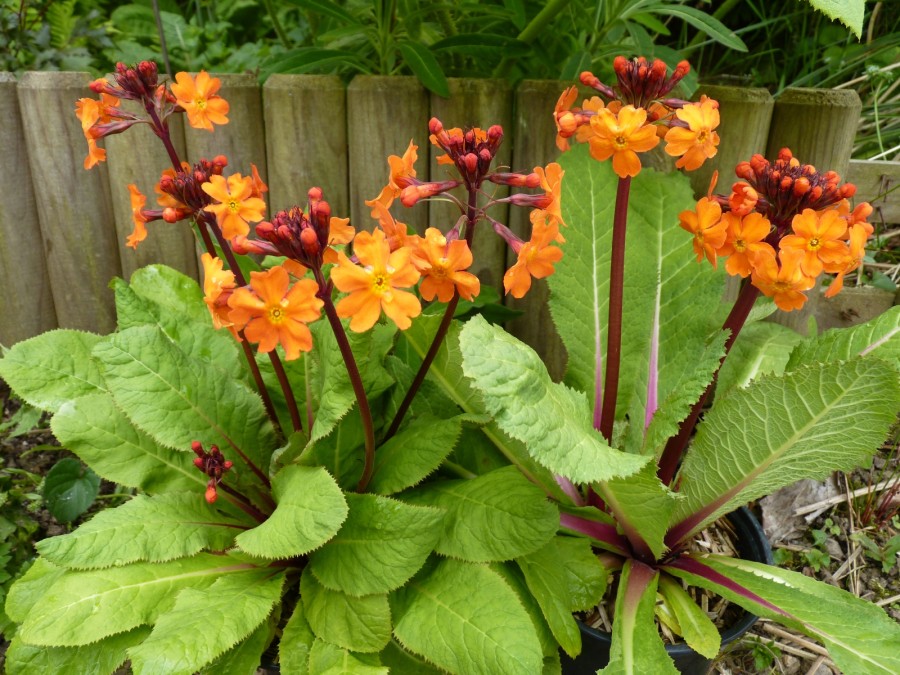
point(888, 601)
point(803, 642)
point(831, 501)
point(815, 666)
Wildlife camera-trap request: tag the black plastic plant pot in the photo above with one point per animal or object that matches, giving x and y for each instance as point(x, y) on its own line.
point(752, 545)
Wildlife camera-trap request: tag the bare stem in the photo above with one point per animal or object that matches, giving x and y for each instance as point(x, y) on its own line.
point(614, 324)
point(676, 445)
point(355, 378)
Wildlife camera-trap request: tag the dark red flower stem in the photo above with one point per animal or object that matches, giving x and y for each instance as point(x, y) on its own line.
point(614, 324)
point(355, 378)
point(161, 129)
point(439, 336)
point(675, 447)
point(243, 503)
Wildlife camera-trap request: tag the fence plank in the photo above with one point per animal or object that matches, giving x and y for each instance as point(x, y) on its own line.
point(74, 208)
point(306, 139)
point(874, 179)
point(138, 156)
point(26, 303)
point(242, 140)
point(534, 144)
point(475, 103)
point(819, 126)
point(383, 114)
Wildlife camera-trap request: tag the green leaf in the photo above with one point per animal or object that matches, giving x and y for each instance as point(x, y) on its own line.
point(245, 657)
point(159, 295)
point(177, 399)
point(28, 589)
point(437, 616)
point(463, 42)
point(563, 576)
point(703, 22)
point(326, 8)
point(495, 517)
point(154, 529)
point(514, 578)
point(69, 489)
point(83, 607)
point(401, 662)
point(361, 624)
point(341, 452)
point(329, 659)
point(215, 619)
point(879, 337)
point(100, 658)
point(414, 453)
point(53, 368)
point(310, 511)
point(383, 543)
point(859, 636)
point(637, 648)
point(642, 504)
point(805, 424)
point(308, 59)
point(296, 642)
point(697, 629)
point(422, 63)
point(848, 12)
point(552, 420)
point(105, 439)
point(762, 347)
point(671, 303)
point(446, 371)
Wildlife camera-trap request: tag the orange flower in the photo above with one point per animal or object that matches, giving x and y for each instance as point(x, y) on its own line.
point(199, 100)
point(551, 183)
point(743, 198)
point(818, 236)
point(340, 231)
point(217, 287)
point(566, 120)
point(858, 216)
point(402, 170)
point(621, 137)
point(374, 285)
point(138, 202)
point(258, 187)
point(396, 232)
point(442, 266)
point(274, 312)
point(787, 283)
point(88, 112)
point(743, 241)
point(698, 142)
point(858, 236)
point(708, 228)
point(236, 206)
point(536, 258)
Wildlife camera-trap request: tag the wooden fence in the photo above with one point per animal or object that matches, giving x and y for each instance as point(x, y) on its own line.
point(62, 229)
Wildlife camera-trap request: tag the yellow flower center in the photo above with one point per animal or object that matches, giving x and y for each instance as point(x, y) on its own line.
point(380, 284)
point(814, 244)
point(439, 271)
point(740, 245)
point(233, 206)
point(702, 136)
point(276, 314)
point(620, 142)
point(781, 286)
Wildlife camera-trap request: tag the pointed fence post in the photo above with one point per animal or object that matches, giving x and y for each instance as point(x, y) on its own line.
point(306, 140)
point(476, 103)
point(74, 205)
point(26, 303)
point(534, 144)
point(383, 115)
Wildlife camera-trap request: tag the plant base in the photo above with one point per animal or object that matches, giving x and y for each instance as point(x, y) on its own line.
point(752, 545)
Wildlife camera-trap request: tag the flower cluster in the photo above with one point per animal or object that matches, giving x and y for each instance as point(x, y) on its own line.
point(637, 113)
point(782, 225)
point(214, 465)
point(103, 117)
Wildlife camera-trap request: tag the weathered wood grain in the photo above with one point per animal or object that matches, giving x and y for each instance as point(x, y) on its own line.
point(26, 303)
point(74, 205)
